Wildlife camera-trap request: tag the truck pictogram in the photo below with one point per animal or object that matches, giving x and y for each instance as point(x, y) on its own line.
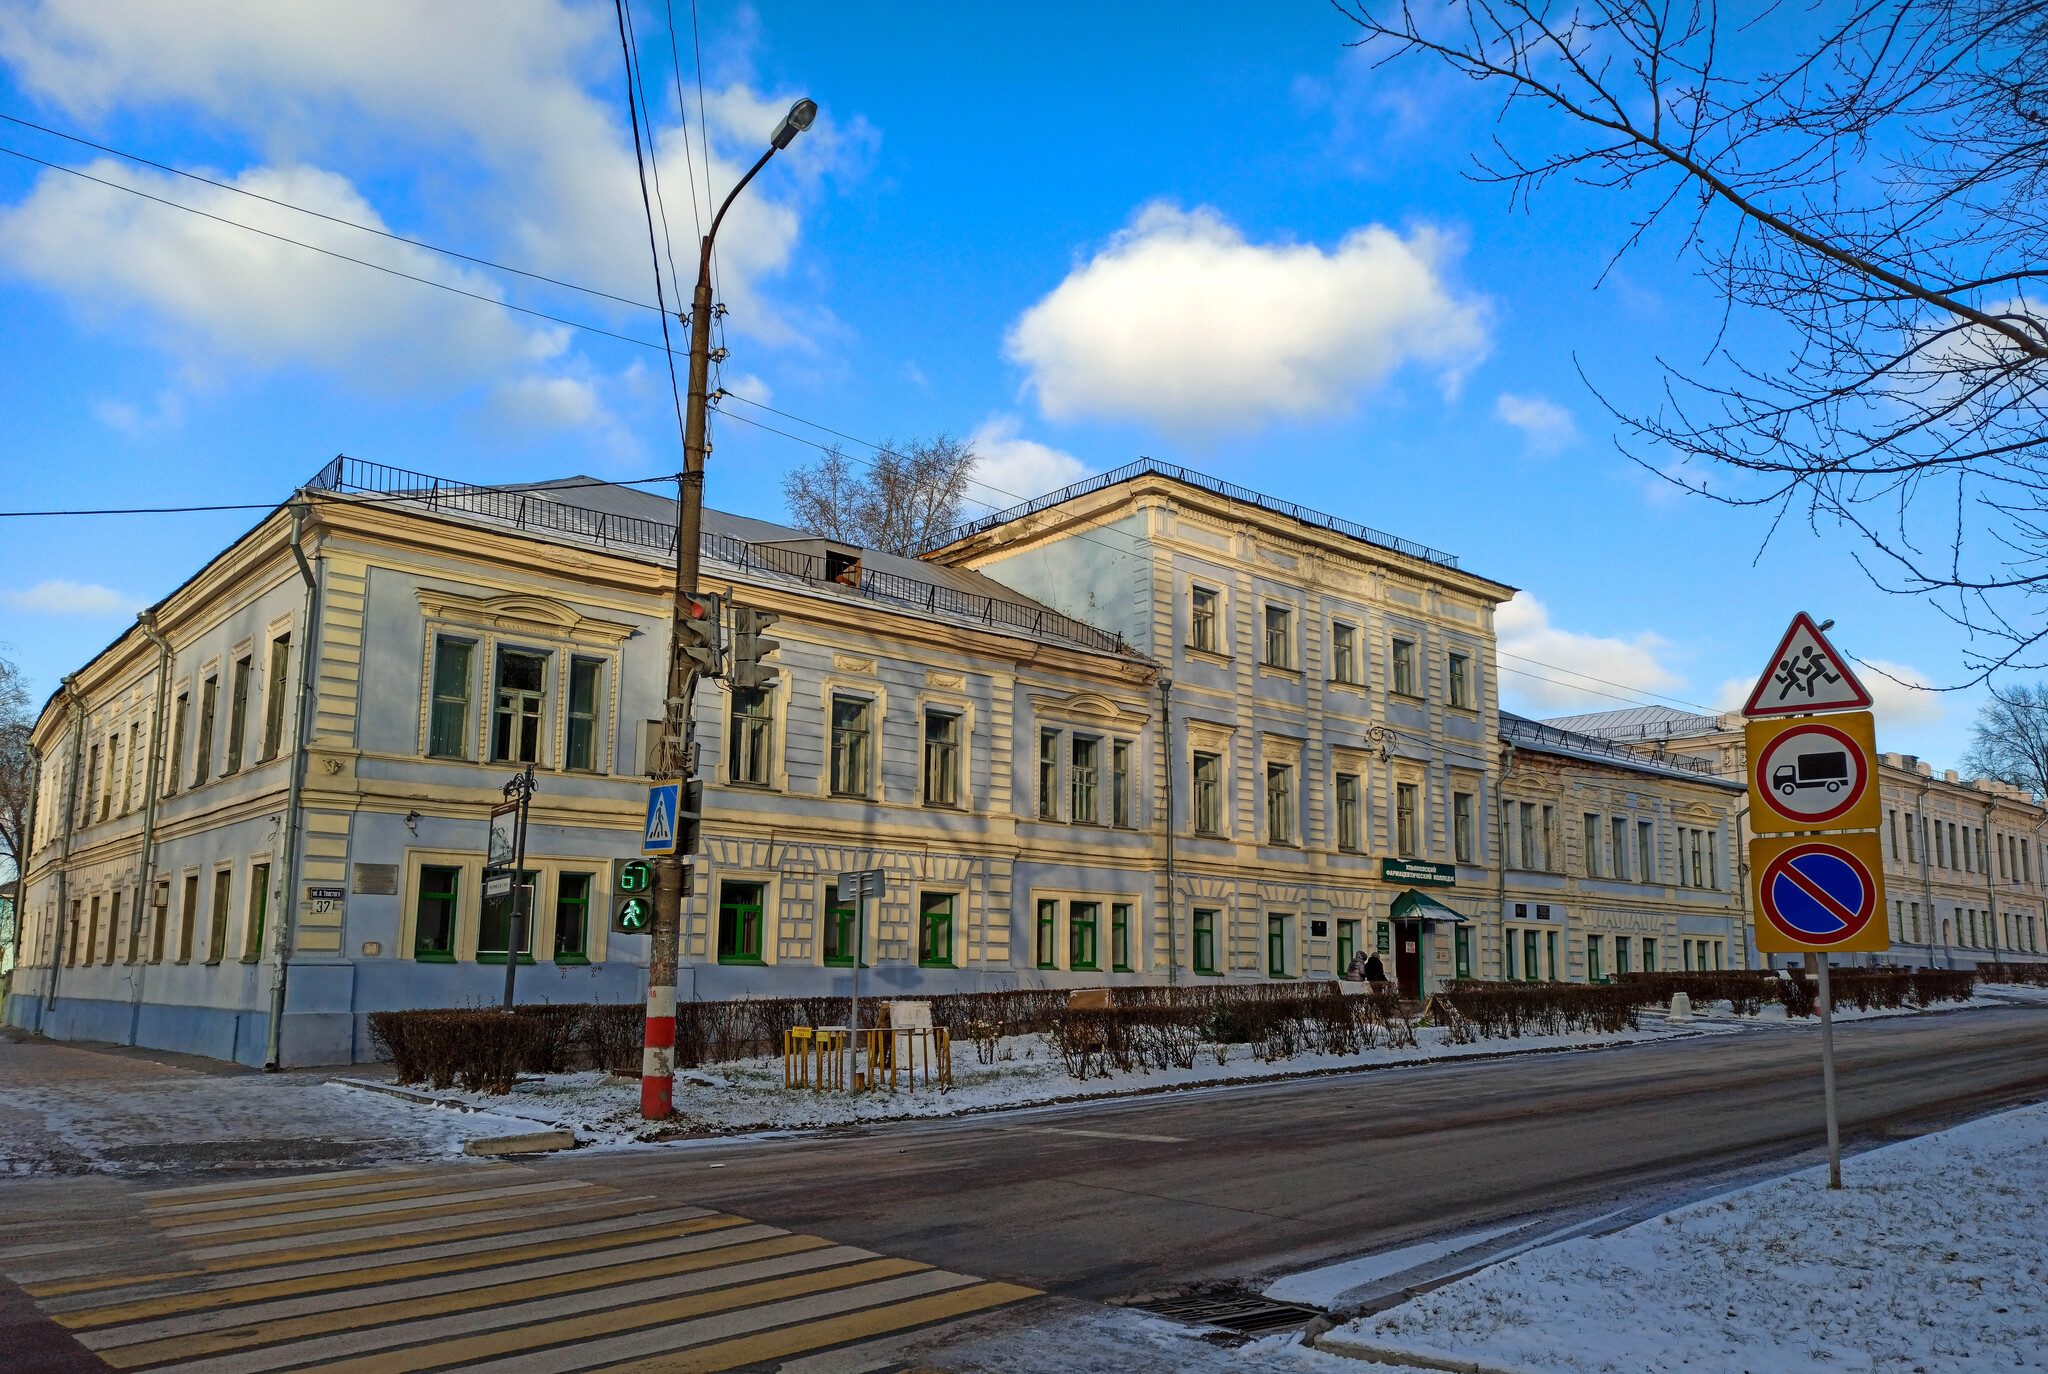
point(1829, 770)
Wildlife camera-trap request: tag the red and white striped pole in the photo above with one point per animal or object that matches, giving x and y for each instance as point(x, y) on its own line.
point(658, 1059)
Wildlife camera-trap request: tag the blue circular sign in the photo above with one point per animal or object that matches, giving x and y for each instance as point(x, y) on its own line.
point(1818, 894)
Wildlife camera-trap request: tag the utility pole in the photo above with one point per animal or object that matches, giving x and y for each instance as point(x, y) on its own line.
point(690, 655)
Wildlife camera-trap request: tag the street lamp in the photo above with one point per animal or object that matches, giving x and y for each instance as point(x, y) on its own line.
point(657, 1081)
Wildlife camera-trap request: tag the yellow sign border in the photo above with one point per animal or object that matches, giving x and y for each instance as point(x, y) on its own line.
point(1875, 937)
point(1760, 735)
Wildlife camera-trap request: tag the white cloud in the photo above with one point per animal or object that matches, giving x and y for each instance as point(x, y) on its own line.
point(1181, 322)
point(1011, 469)
point(1544, 423)
point(514, 124)
point(1900, 694)
point(748, 387)
point(73, 598)
point(1533, 651)
point(546, 403)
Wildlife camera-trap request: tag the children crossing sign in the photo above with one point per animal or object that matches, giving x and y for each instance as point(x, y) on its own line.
point(660, 835)
point(1805, 675)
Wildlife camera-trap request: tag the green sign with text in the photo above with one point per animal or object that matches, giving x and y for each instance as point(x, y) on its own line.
point(1418, 873)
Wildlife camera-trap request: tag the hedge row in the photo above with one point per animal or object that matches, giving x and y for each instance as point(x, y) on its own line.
point(1865, 989)
point(483, 1050)
point(1277, 1021)
point(2036, 974)
point(1495, 1011)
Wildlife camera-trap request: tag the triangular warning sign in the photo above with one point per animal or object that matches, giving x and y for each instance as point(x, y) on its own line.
point(1806, 674)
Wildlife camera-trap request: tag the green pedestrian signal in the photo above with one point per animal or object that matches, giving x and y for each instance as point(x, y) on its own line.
point(633, 916)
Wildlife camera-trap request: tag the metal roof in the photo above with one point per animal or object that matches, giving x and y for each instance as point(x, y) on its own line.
point(1545, 737)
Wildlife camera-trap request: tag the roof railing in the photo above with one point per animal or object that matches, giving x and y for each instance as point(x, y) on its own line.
point(1535, 732)
point(1152, 467)
point(534, 507)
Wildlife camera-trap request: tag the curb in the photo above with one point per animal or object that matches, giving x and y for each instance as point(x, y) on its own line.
point(534, 1143)
point(424, 1099)
point(1414, 1359)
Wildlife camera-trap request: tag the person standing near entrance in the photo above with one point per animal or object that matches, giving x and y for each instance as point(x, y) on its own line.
point(1375, 972)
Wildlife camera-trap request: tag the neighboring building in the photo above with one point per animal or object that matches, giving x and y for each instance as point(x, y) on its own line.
point(1617, 862)
point(1334, 713)
point(1962, 856)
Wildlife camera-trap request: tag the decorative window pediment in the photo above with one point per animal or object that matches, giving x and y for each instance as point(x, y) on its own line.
point(523, 613)
point(1087, 709)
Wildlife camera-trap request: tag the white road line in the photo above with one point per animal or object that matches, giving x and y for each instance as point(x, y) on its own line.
point(574, 1203)
point(196, 1210)
point(366, 1209)
point(383, 1171)
point(331, 1346)
point(1102, 1135)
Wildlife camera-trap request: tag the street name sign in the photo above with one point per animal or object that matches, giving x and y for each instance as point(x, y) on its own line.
point(1816, 773)
point(1805, 675)
point(660, 834)
point(1817, 895)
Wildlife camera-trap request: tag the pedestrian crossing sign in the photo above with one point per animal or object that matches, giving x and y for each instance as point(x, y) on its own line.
point(660, 835)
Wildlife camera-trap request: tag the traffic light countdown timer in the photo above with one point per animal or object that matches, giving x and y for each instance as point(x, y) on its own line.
point(632, 896)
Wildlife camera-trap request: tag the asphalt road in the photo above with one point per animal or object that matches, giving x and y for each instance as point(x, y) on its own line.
point(1119, 1199)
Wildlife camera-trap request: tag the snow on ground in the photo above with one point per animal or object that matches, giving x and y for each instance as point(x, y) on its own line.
point(1933, 1257)
point(726, 1099)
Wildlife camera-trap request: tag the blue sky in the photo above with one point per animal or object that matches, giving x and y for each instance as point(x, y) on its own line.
point(1207, 233)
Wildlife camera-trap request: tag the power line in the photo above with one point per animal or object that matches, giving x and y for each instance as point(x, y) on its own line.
point(318, 214)
point(1640, 691)
point(328, 252)
point(564, 484)
point(675, 388)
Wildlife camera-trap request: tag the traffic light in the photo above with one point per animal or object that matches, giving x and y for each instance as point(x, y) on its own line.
point(632, 896)
point(697, 634)
point(750, 646)
point(689, 817)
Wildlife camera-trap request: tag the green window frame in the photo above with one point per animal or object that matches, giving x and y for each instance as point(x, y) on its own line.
point(1596, 963)
point(448, 718)
point(494, 923)
point(1347, 944)
point(1205, 941)
point(1550, 953)
point(1649, 954)
point(840, 934)
point(1120, 937)
point(572, 917)
point(582, 751)
point(433, 927)
point(935, 930)
point(1045, 945)
point(1508, 964)
point(1624, 952)
point(259, 910)
point(1083, 930)
point(1461, 951)
point(1530, 972)
point(1276, 947)
point(739, 922)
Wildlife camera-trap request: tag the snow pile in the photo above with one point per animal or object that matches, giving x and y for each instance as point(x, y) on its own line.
point(1933, 1257)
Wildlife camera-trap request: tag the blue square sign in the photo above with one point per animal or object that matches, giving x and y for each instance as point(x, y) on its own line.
point(660, 835)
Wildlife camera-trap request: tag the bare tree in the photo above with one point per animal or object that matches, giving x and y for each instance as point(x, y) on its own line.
point(1867, 178)
point(16, 719)
point(2009, 739)
point(904, 503)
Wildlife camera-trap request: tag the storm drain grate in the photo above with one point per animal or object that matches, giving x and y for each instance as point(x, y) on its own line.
point(1244, 1313)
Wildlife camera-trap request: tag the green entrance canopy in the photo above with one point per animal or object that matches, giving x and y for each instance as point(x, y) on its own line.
point(1413, 906)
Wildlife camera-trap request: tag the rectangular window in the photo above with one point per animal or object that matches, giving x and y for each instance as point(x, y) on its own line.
point(132, 765)
point(1461, 827)
point(238, 716)
point(1085, 779)
point(1596, 971)
point(1592, 844)
point(434, 924)
point(1045, 945)
point(1530, 973)
point(1347, 946)
point(1404, 669)
point(1279, 803)
point(750, 743)
point(1120, 783)
point(217, 924)
point(1646, 853)
point(941, 758)
point(582, 745)
point(739, 923)
point(448, 723)
point(1405, 820)
point(1208, 794)
point(1911, 856)
point(1649, 955)
point(1550, 954)
point(1120, 937)
point(1279, 637)
point(935, 930)
point(851, 749)
point(839, 929)
point(1699, 860)
point(275, 695)
point(572, 917)
point(494, 922)
point(1507, 953)
point(259, 911)
point(1202, 619)
point(1205, 941)
point(1048, 775)
point(1622, 963)
point(188, 918)
point(1528, 829)
point(1549, 856)
point(1458, 672)
point(1714, 859)
point(175, 765)
point(522, 684)
point(1954, 852)
point(1082, 918)
point(209, 700)
point(1344, 652)
point(1461, 951)
point(113, 786)
point(134, 950)
point(1350, 814)
point(1621, 848)
point(93, 773)
point(1276, 946)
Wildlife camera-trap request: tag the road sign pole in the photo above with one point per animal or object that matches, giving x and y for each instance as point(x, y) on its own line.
point(860, 940)
point(1827, 1074)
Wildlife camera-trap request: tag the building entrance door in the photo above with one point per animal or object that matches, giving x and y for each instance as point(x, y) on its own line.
point(1408, 958)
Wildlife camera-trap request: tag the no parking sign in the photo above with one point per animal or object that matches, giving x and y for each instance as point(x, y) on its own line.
point(1817, 894)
